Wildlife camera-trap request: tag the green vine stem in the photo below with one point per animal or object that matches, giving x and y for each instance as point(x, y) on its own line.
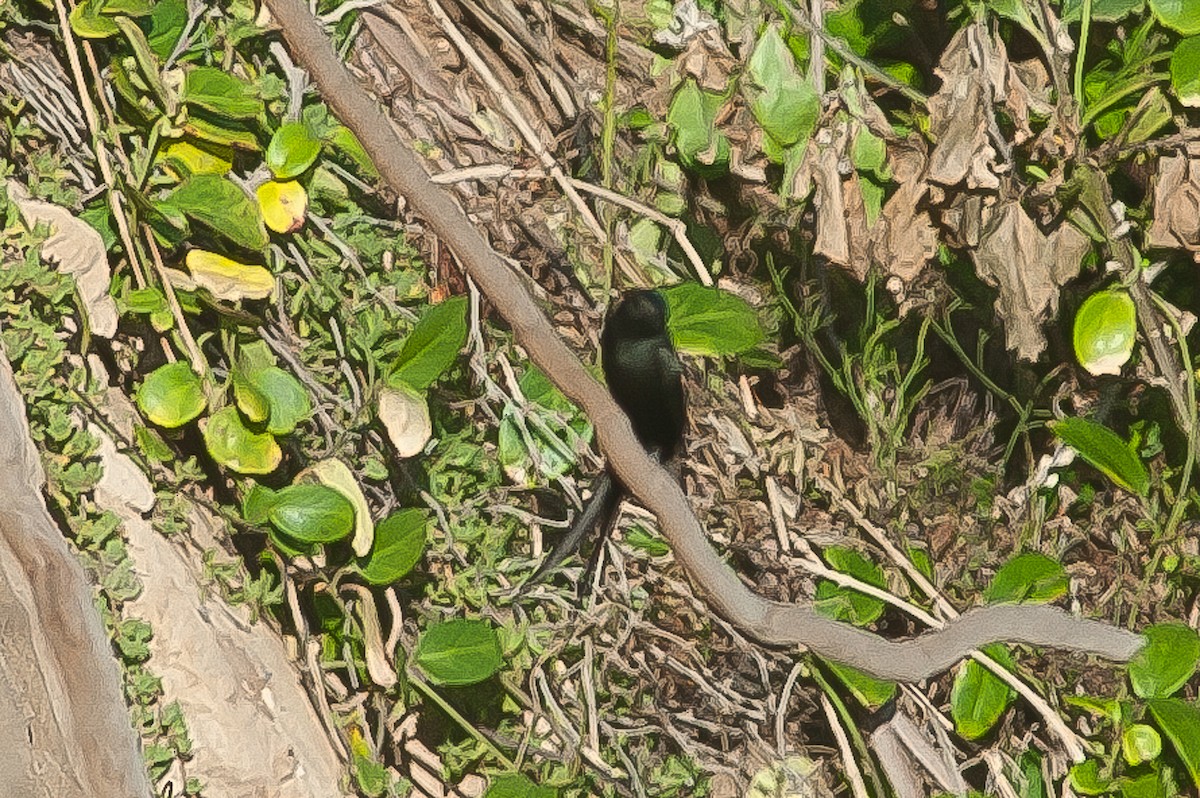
point(1189, 462)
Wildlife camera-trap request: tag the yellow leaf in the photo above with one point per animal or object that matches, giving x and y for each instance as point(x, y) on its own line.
point(227, 279)
point(199, 161)
point(283, 205)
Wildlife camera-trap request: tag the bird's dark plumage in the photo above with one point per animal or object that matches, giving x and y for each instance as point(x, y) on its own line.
point(643, 372)
point(645, 378)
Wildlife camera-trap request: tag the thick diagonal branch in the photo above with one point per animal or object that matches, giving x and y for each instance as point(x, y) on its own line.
point(769, 622)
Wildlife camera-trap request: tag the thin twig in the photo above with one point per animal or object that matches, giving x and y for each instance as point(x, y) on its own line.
point(868, 69)
point(676, 226)
point(816, 47)
point(785, 696)
point(335, 16)
point(857, 785)
point(106, 171)
point(1181, 498)
point(196, 358)
point(587, 676)
point(532, 139)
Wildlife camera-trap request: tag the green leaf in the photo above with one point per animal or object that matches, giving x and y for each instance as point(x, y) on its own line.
point(869, 153)
point(99, 216)
point(151, 302)
point(152, 445)
point(1106, 451)
point(168, 19)
point(555, 456)
point(709, 321)
point(847, 604)
point(220, 205)
point(147, 63)
point(1153, 113)
point(1028, 577)
point(978, 697)
point(1085, 778)
point(146, 300)
point(127, 8)
point(920, 558)
point(171, 395)
point(219, 92)
point(132, 638)
point(459, 652)
point(345, 142)
point(1105, 329)
point(257, 503)
point(249, 399)
point(287, 401)
point(1018, 12)
point(186, 157)
point(872, 693)
point(371, 776)
point(1167, 660)
point(88, 23)
point(432, 346)
point(234, 446)
point(169, 224)
point(1140, 743)
point(646, 244)
point(511, 451)
point(399, 544)
point(1185, 71)
point(1102, 10)
point(255, 355)
point(293, 149)
point(538, 389)
point(639, 538)
point(312, 513)
point(1031, 770)
point(1160, 782)
point(872, 194)
point(1179, 15)
point(333, 473)
point(785, 104)
point(231, 134)
point(692, 116)
point(1180, 721)
point(760, 358)
point(516, 785)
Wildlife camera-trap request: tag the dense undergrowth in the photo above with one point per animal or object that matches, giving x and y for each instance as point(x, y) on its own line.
point(947, 360)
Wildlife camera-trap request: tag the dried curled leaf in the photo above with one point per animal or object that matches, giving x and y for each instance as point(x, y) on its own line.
point(837, 201)
point(972, 70)
point(904, 239)
point(78, 250)
point(405, 415)
point(1177, 204)
point(1028, 267)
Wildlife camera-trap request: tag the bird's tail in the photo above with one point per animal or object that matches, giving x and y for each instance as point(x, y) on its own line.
point(601, 511)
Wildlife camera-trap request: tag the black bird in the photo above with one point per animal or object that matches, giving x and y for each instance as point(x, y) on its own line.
point(645, 377)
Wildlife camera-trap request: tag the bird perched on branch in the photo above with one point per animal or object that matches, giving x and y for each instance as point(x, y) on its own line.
point(645, 378)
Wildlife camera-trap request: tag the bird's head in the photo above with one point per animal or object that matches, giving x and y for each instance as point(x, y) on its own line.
point(638, 314)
